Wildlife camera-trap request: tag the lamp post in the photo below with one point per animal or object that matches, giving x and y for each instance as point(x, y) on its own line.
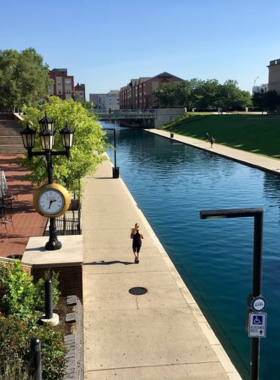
point(257, 213)
point(254, 87)
point(116, 170)
point(255, 81)
point(46, 135)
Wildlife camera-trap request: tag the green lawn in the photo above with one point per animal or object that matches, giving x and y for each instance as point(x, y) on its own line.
point(254, 133)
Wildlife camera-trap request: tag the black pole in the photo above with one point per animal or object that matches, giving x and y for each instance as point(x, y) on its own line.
point(257, 213)
point(116, 170)
point(36, 359)
point(257, 290)
point(48, 299)
point(115, 150)
point(53, 244)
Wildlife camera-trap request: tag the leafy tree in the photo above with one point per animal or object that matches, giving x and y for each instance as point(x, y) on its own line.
point(266, 100)
point(89, 143)
point(86, 104)
point(203, 95)
point(271, 100)
point(232, 97)
point(258, 99)
point(24, 78)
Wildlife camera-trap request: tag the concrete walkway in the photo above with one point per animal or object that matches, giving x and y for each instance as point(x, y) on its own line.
point(252, 159)
point(159, 335)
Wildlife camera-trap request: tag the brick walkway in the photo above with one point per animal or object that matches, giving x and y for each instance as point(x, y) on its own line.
point(26, 222)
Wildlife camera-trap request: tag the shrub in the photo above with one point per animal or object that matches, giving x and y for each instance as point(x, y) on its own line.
point(40, 290)
point(15, 339)
point(19, 302)
point(16, 291)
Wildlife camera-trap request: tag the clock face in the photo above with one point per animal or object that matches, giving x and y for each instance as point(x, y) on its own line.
point(51, 201)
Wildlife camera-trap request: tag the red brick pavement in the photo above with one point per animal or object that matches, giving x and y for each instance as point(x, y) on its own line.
point(26, 222)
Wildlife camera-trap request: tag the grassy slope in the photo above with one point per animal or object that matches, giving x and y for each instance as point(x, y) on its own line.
point(254, 133)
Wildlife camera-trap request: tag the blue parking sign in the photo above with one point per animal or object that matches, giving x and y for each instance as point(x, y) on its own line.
point(257, 319)
point(257, 325)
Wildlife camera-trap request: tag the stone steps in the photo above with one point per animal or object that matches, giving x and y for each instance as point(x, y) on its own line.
point(10, 138)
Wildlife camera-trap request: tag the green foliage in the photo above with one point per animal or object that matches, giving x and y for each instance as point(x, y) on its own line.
point(24, 78)
point(15, 339)
point(89, 144)
point(10, 373)
point(14, 344)
point(16, 291)
point(40, 290)
point(266, 100)
point(18, 324)
point(209, 94)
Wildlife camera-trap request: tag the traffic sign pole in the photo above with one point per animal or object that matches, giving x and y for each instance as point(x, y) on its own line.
point(257, 289)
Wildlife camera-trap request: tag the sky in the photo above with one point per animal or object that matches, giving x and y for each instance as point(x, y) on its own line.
point(106, 43)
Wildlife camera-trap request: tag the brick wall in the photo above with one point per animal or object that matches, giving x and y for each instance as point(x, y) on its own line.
point(70, 278)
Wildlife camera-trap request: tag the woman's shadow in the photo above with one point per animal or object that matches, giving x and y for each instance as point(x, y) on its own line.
point(102, 262)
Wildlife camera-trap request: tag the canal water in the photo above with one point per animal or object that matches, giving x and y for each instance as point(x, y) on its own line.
point(171, 183)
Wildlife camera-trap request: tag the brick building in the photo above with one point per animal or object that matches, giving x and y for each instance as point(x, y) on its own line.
point(80, 92)
point(62, 84)
point(138, 94)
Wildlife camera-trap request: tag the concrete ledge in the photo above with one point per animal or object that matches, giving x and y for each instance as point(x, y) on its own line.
point(71, 252)
point(67, 262)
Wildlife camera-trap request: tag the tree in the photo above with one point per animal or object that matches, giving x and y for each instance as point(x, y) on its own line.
point(24, 78)
point(86, 153)
point(272, 100)
point(232, 97)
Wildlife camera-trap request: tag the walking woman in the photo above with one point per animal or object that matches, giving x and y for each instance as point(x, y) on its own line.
point(136, 236)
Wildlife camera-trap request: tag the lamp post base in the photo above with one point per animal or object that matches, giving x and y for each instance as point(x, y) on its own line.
point(116, 172)
point(53, 245)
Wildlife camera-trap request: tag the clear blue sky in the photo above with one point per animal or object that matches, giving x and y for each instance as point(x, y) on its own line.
point(106, 43)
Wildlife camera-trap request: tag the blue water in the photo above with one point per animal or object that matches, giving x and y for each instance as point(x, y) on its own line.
point(171, 183)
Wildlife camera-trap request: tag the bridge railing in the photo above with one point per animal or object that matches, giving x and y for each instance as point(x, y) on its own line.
point(125, 114)
point(125, 111)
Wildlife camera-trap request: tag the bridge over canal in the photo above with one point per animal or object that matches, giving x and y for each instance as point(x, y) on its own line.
point(140, 118)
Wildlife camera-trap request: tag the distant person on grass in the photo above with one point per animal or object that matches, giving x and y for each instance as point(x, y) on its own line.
point(207, 137)
point(212, 140)
point(136, 236)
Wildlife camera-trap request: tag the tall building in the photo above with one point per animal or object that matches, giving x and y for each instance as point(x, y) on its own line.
point(62, 84)
point(109, 101)
point(274, 75)
point(138, 93)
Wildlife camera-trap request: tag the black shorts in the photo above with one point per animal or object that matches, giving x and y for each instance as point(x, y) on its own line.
point(136, 247)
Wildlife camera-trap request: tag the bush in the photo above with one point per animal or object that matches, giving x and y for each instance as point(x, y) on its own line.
point(16, 291)
point(20, 300)
point(15, 339)
point(40, 290)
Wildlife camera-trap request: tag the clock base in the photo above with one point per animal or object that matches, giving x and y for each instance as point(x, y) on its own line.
point(53, 245)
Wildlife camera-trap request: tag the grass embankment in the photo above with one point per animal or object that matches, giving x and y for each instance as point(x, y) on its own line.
point(253, 133)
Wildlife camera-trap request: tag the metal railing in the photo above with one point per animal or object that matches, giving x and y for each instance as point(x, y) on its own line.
point(126, 114)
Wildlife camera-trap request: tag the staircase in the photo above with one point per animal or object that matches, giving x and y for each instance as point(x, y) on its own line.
point(10, 138)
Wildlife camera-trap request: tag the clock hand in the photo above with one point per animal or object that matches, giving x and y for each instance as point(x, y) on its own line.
point(51, 202)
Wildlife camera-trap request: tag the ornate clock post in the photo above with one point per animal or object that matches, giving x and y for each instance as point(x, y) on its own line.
point(49, 197)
